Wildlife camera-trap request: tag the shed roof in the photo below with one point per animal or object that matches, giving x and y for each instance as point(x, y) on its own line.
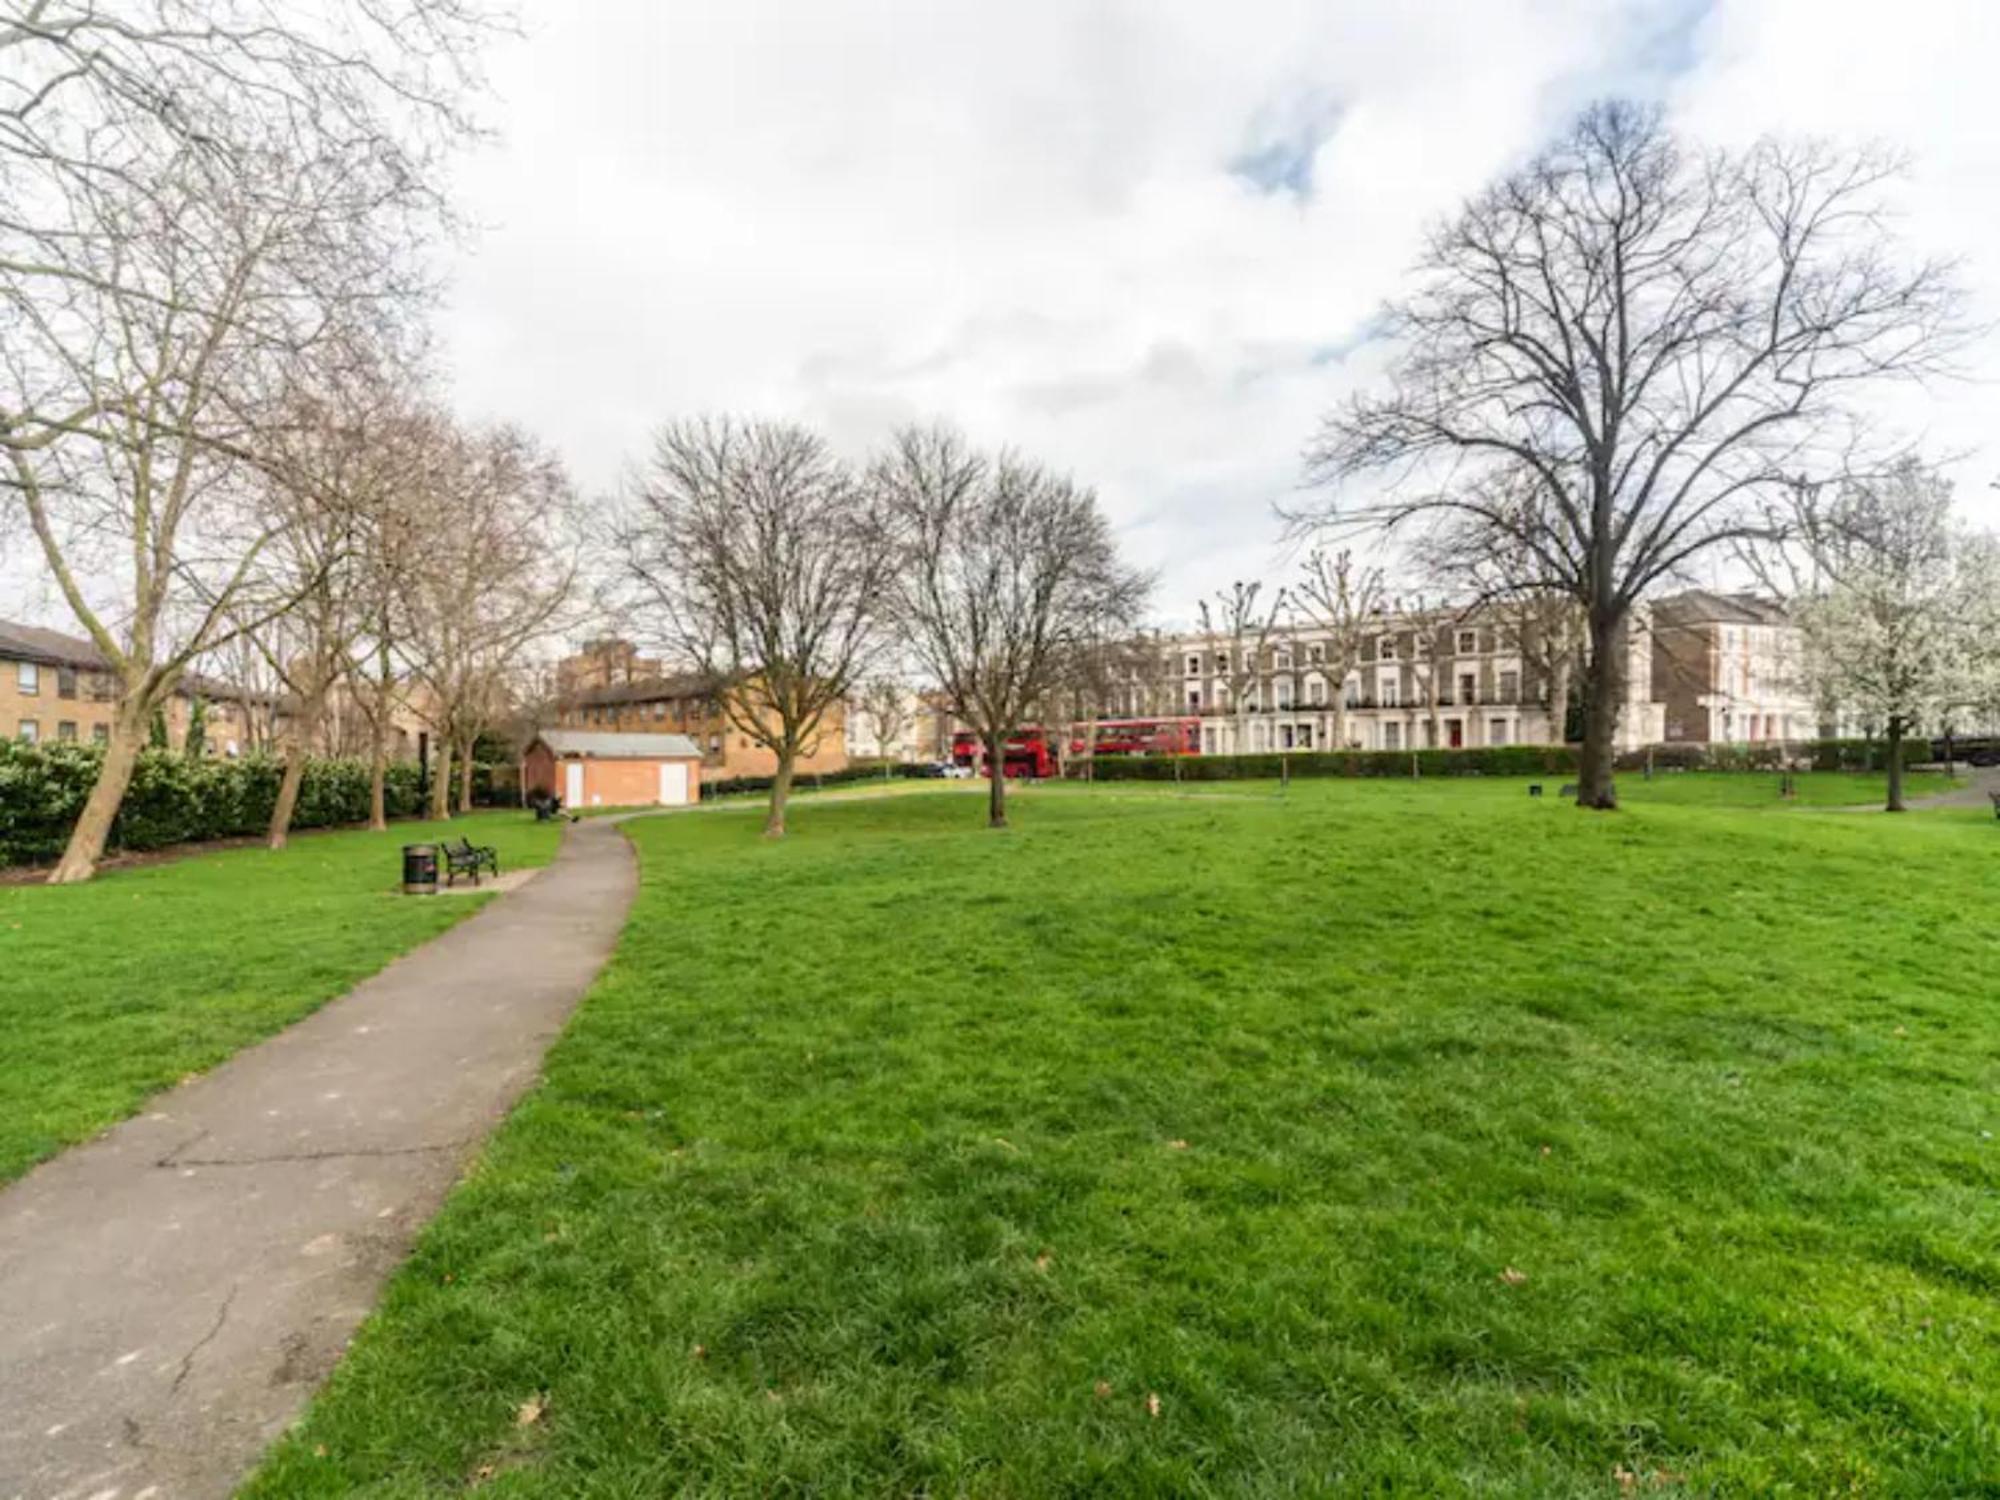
point(609, 745)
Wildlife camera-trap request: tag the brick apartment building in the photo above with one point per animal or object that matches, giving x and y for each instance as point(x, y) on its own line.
point(1728, 668)
point(609, 686)
point(57, 688)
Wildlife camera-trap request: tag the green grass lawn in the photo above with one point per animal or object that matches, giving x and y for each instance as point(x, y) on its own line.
point(112, 991)
point(1375, 1138)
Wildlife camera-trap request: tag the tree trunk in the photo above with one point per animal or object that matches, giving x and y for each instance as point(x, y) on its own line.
point(465, 778)
point(1604, 698)
point(1559, 702)
point(287, 804)
point(288, 795)
point(781, 792)
point(1896, 764)
point(996, 779)
point(440, 807)
point(378, 780)
point(114, 774)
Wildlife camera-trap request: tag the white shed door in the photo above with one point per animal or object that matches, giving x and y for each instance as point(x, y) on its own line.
point(573, 792)
point(673, 783)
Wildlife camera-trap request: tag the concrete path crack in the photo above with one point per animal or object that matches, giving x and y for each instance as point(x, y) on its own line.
point(187, 1360)
point(121, 1247)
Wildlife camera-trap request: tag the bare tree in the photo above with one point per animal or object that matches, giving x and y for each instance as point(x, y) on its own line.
point(1003, 568)
point(1343, 603)
point(885, 701)
point(1657, 336)
point(1237, 635)
point(1502, 577)
point(154, 529)
point(765, 559)
point(333, 481)
point(494, 570)
point(191, 195)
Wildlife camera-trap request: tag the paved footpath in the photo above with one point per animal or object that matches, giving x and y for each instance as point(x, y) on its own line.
point(171, 1293)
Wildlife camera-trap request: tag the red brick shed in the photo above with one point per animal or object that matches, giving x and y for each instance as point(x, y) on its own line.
point(594, 768)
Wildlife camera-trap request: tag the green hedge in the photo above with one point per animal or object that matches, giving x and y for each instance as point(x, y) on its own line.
point(1495, 760)
point(175, 799)
point(857, 770)
point(1504, 760)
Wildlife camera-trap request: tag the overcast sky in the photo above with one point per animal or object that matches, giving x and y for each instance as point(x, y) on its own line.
point(1143, 240)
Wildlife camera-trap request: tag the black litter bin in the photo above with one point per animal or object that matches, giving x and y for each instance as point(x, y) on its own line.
point(420, 869)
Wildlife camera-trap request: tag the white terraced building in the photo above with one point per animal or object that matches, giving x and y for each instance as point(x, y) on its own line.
point(1701, 666)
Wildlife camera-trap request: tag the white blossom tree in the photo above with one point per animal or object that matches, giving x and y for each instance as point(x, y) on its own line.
point(1896, 592)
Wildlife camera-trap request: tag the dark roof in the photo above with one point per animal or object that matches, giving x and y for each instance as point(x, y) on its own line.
point(20, 642)
point(52, 648)
point(1702, 606)
point(648, 690)
point(619, 746)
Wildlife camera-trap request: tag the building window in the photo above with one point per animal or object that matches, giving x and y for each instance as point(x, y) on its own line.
point(28, 678)
point(31, 732)
point(1305, 736)
point(1468, 643)
point(100, 734)
point(1386, 648)
point(1284, 658)
point(66, 731)
point(1392, 736)
point(1194, 666)
point(1194, 697)
point(660, 708)
point(1468, 687)
point(1510, 687)
point(65, 682)
point(1496, 732)
point(1316, 653)
point(1318, 691)
point(1391, 693)
point(1222, 661)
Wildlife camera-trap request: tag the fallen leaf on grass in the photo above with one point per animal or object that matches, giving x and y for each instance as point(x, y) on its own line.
point(1178, 1145)
point(1001, 1140)
point(701, 1351)
point(1044, 1261)
point(1152, 1403)
point(1513, 1277)
point(531, 1410)
point(1102, 1390)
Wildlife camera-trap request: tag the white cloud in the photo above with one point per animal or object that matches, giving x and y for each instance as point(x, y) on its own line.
point(1036, 221)
point(1044, 221)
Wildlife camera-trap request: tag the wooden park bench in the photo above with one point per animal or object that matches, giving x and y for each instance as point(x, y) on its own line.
point(1569, 789)
point(468, 858)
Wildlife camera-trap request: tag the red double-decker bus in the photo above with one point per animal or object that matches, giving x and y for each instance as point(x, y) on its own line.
point(1176, 736)
point(1029, 752)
